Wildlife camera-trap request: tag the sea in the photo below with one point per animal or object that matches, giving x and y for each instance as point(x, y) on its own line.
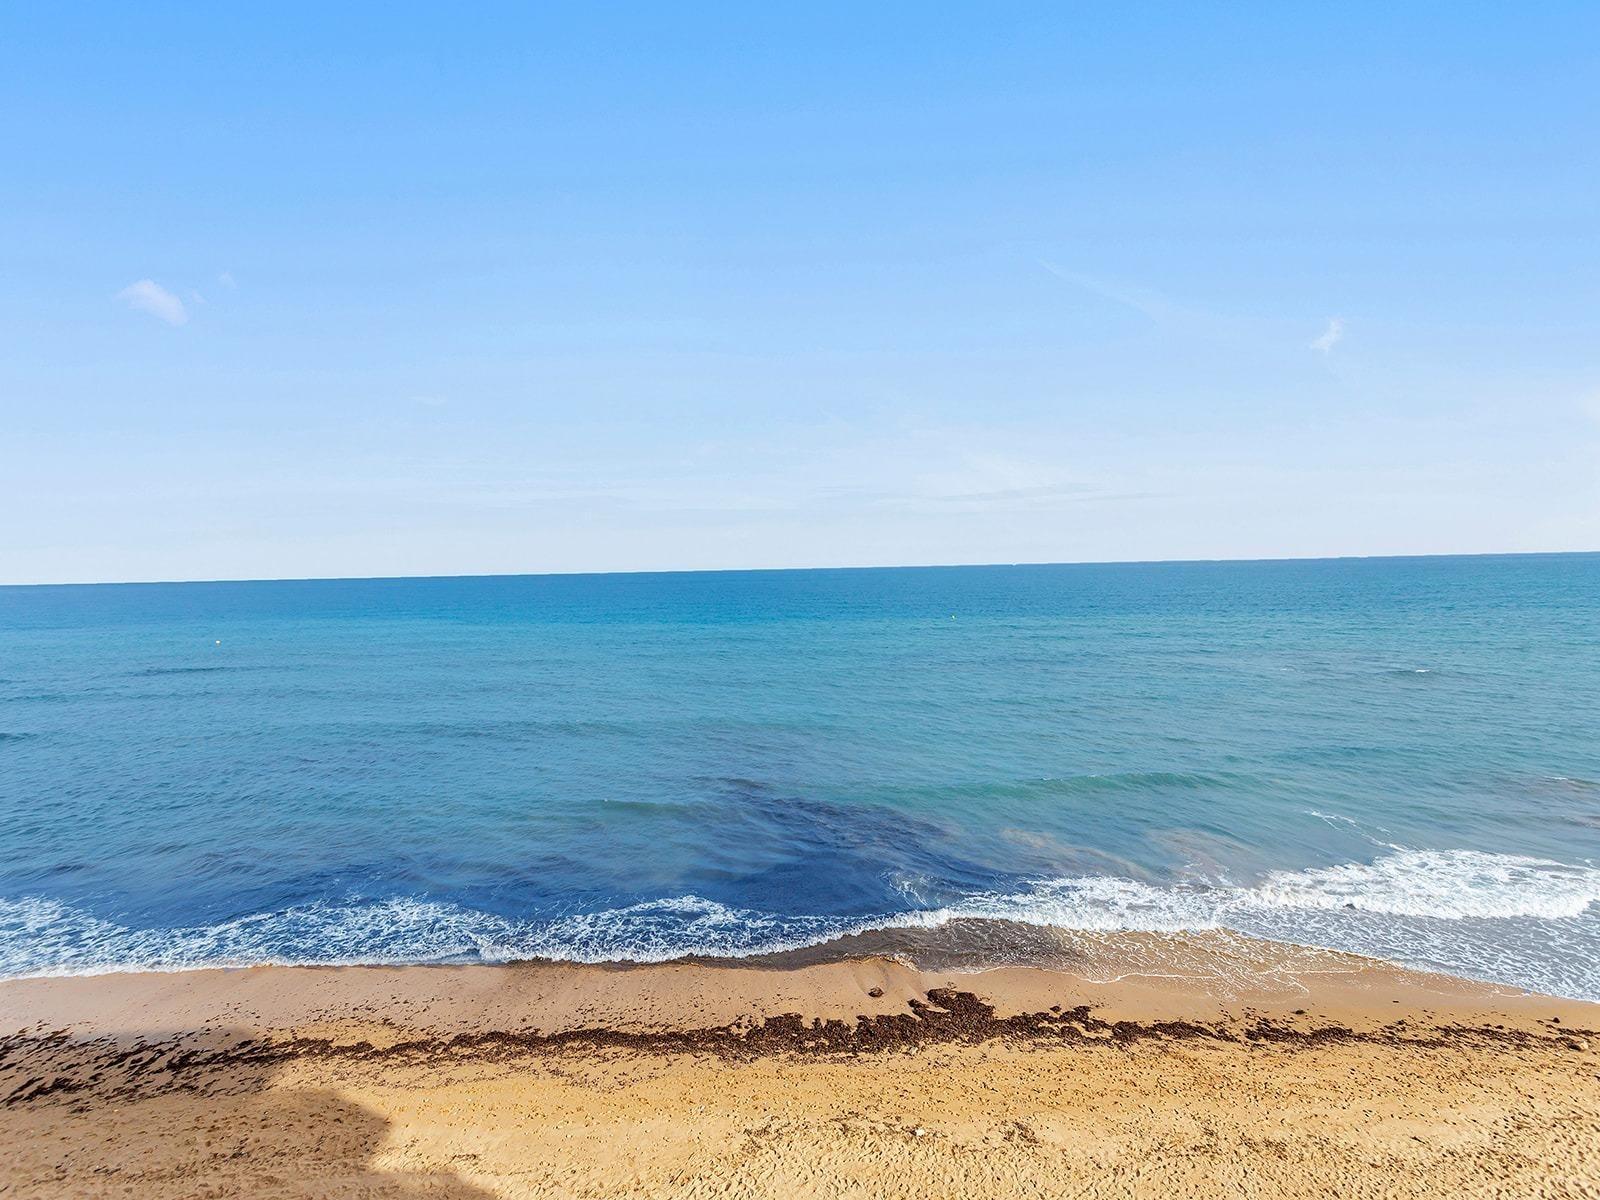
point(1396, 757)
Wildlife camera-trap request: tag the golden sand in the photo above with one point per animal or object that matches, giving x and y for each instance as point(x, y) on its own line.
point(1196, 1067)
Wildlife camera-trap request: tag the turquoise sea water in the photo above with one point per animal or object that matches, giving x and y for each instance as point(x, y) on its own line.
point(1399, 757)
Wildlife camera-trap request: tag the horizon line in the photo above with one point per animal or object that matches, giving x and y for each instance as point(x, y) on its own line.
point(975, 566)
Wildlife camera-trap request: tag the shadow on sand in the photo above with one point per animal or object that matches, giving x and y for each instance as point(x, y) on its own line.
point(131, 1117)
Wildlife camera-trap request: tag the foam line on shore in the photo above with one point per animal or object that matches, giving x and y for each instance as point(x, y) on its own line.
point(1410, 906)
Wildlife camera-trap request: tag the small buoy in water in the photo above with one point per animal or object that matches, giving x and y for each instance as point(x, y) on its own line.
point(219, 641)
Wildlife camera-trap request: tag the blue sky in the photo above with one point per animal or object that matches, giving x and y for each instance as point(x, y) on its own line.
point(395, 290)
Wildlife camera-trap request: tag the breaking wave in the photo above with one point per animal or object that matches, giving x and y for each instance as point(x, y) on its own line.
point(1439, 909)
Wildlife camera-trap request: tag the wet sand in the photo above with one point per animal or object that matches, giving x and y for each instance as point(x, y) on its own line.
point(1206, 1066)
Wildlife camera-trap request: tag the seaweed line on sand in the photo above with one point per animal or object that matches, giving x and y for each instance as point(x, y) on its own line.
point(151, 1067)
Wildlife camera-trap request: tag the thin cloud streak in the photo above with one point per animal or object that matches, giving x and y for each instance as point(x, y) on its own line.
point(1145, 303)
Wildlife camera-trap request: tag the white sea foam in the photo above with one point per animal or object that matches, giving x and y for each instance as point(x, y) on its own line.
point(1435, 884)
point(1427, 907)
point(1443, 884)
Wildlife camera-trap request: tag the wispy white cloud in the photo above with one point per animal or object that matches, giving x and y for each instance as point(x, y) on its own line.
point(1171, 316)
point(148, 296)
point(1141, 300)
point(1008, 498)
point(1331, 336)
point(225, 278)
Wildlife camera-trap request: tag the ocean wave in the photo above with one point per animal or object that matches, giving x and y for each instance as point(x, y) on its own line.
point(1441, 884)
point(42, 937)
point(1431, 891)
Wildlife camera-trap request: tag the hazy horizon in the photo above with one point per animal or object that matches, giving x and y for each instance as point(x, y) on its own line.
point(923, 566)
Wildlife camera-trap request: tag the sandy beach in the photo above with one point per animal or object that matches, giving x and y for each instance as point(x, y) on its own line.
point(1207, 1066)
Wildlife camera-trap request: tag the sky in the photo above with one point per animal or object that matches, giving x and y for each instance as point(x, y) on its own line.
point(337, 290)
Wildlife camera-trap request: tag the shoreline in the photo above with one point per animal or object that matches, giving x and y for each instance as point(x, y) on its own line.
point(1153, 1065)
point(965, 945)
point(1214, 973)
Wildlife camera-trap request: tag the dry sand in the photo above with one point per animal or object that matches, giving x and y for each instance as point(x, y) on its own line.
point(1208, 1066)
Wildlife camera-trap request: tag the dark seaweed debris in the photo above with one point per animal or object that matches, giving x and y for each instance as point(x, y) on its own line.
point(43, 1064)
